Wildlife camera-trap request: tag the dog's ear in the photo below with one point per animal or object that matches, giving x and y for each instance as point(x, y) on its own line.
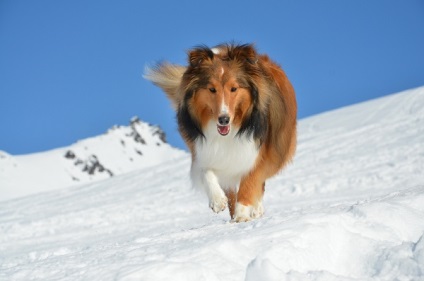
point(187, 125)
point(243, 53)
point(198, 55)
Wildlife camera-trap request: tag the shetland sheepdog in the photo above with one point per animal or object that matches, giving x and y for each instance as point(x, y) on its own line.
point(236, 111)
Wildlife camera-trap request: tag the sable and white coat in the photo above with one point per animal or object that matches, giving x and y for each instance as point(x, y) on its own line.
point(236, 111)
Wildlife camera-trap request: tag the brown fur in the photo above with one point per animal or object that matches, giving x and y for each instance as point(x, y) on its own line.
point(168, 77)
point(260, 99)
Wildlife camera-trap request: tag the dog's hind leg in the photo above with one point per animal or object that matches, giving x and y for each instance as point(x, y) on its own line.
point(232, 200)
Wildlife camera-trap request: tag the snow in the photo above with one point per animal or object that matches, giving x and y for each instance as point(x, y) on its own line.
point(120, 150)
point(349, 207)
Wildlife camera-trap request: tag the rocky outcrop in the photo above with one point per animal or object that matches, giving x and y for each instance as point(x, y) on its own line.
point(91, 165)
point(112, 153)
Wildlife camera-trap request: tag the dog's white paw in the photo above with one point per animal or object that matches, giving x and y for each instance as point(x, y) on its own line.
point(243, 213)
point(218, 202)
point(258, 210)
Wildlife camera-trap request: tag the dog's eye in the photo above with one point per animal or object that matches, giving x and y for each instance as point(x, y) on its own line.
point(233, 89)
point(212, 90)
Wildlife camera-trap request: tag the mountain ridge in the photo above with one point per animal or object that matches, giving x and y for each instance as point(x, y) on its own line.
point(119, 150)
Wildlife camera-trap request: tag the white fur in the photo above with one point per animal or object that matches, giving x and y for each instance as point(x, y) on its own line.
point(209, 182)
point(216, 51)
point(221, 161)
point(243, 213)
point(224, 108)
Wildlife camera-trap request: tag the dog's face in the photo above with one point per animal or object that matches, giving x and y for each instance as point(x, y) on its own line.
point(219, 89)
point(223, 99)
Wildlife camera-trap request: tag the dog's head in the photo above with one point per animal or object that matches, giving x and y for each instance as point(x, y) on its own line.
point(221, 86)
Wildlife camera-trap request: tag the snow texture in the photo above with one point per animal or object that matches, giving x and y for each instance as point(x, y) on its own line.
point(122, 149)
point(349, 207)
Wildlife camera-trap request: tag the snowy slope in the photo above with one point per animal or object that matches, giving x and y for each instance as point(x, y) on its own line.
point(122, 149)
point(350, 207)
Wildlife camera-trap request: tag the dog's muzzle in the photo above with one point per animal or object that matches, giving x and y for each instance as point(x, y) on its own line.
point(223, 125)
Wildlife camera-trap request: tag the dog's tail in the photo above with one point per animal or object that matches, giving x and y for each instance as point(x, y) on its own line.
point(168, 77)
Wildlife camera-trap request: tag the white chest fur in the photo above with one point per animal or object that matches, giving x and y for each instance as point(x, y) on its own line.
point(228, 157)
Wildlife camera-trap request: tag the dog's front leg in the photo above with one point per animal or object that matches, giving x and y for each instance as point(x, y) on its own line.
point(207, 180)
point(249, 198)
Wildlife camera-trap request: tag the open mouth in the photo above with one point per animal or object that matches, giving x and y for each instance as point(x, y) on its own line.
point(223, 130)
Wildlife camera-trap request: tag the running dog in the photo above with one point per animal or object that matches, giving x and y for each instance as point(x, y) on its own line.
point(236, 111)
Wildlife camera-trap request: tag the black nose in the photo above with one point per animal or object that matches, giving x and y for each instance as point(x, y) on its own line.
point(223, 120)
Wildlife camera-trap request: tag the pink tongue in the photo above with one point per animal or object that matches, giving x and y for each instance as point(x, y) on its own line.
point(224, 130)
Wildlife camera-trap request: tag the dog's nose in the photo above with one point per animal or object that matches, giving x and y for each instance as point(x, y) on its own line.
point(223, 120)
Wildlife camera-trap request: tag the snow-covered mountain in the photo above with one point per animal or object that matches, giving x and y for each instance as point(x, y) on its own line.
point(120, 150)
point(350, 207)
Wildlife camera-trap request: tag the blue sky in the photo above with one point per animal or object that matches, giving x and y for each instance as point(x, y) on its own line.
point(72, 69)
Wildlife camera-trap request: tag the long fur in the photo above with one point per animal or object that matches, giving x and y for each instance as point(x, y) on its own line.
point(168, 77)
point(260, 101)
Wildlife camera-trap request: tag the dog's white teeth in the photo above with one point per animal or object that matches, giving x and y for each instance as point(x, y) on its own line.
point(223, 130)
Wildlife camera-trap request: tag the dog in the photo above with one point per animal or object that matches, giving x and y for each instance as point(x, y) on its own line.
point(236, 111)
